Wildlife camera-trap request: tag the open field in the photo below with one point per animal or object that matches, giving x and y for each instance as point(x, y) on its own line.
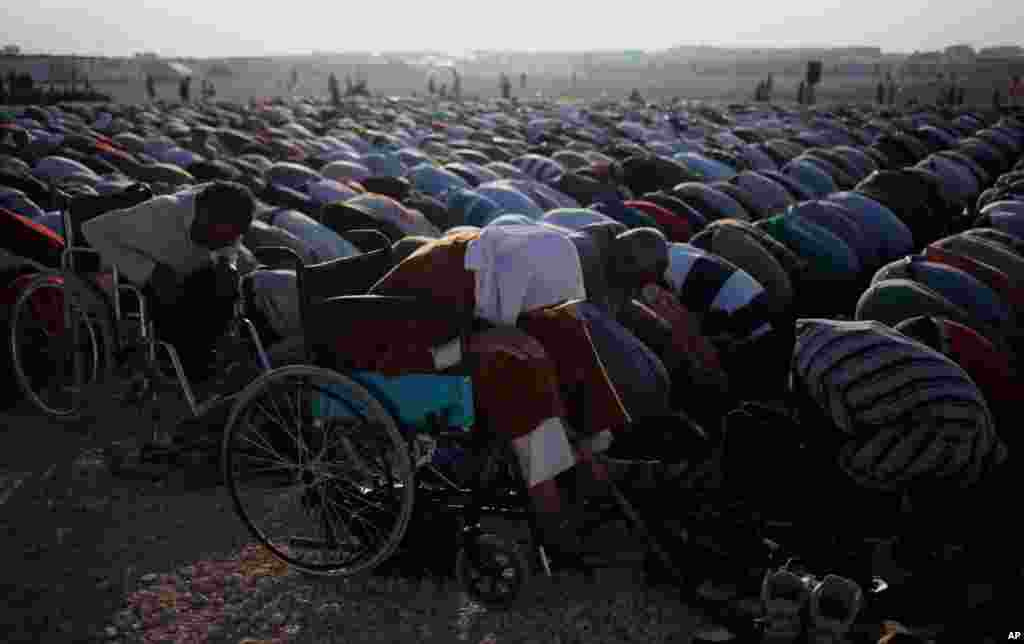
point(78, 543)
point(978, 89)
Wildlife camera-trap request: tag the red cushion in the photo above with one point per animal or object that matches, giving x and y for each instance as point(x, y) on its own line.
point(30, 239)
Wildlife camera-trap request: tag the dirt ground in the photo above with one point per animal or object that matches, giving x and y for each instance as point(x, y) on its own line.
point(75, 537)
point(978, 89)
point(78, 542)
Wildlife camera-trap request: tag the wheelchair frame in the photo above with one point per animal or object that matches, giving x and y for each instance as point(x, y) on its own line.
point(470, 503)
point(114, 314)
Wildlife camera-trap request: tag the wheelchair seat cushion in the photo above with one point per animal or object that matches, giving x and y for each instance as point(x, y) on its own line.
point(415, 398)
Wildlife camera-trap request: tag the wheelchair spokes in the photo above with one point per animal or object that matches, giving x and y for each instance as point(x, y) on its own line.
point(44, 351)
point(321, 483)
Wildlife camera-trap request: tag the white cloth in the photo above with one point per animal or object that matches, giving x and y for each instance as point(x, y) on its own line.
point(522, 268)
point(545, 452)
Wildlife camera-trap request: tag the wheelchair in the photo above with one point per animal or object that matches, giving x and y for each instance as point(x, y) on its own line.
point(359, 468)
point(62, 361)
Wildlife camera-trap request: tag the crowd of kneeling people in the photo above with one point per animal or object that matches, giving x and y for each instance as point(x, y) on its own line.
point(834, 296)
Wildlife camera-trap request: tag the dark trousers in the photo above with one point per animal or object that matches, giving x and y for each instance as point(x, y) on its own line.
point(759, 369)
point(193, 322)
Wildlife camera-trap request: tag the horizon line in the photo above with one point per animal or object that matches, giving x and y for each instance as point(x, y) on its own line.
point(530, 51)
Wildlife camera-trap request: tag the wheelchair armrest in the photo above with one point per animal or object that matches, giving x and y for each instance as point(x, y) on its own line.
point(367, 239)
point(93, 266)
point(277, 257)
point(389, 307)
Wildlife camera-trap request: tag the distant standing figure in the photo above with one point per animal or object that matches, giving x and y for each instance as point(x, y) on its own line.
point(891, 91)
point(801, 92)
point(444, 90)
point(522, 81)
point(960, 95)
point(185, 89)
point(997, 99)
point(334, 89)
point(506, 87)
point(880, 94)
point(150, 87)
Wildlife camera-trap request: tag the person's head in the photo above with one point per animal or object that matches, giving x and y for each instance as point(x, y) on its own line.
point(224, 212)
point(638, 257)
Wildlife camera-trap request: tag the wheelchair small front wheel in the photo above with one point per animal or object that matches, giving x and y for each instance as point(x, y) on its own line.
point(492, 570)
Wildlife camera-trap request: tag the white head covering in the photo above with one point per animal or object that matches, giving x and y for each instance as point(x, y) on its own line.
point(520, 268)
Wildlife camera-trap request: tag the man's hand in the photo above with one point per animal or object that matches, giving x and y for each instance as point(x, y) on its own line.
point(226, 280)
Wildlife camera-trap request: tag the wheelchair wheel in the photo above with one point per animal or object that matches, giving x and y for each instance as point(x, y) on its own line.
point(318, 470)
point(38, 343)
point(492, 570)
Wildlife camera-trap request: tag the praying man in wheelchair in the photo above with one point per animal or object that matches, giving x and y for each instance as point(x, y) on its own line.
point(538, 379)
point(181, 249)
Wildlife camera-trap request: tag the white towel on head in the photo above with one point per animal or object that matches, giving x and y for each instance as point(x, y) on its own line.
point(520, 268)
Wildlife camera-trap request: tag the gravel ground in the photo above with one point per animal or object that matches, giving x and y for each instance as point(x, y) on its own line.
point(89, 557)
point(250, 597)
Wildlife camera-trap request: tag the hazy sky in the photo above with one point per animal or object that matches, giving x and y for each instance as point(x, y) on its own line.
point(230, 28)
